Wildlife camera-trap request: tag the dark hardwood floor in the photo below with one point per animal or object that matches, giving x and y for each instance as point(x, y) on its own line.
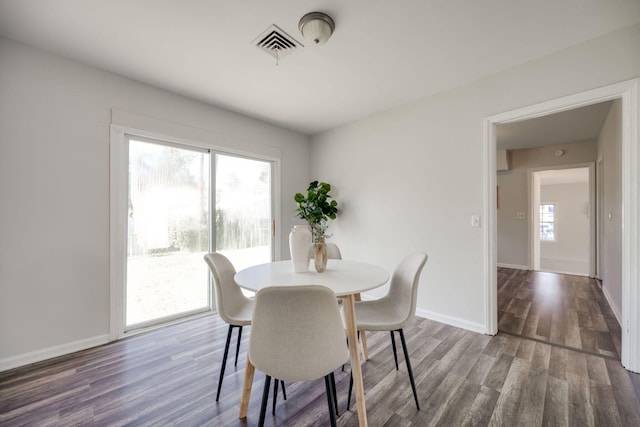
point(560, 309)
point(168, 377)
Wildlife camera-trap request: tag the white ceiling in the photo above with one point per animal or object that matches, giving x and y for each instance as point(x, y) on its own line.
point(383, 53)
point(580, 124)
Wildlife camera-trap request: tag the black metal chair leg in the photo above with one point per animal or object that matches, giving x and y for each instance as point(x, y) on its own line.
point(330, 400)
point(350, 389)
point(265, 398)
point(224, 361)
point(275, 397)
point(395, 353)
point(238, 345)
point(335, 394)
point(406, 359)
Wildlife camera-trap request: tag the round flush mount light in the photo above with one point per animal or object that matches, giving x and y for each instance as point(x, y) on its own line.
point(559, 153)
point(316, 27)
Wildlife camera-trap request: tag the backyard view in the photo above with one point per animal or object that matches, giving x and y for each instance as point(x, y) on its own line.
point(169, 231)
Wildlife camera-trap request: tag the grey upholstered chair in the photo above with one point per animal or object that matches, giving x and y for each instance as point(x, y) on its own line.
point(297, 335)
point(232, 305)
point(394, 310)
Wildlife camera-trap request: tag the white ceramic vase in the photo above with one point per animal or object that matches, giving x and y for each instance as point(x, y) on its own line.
point(300, 245)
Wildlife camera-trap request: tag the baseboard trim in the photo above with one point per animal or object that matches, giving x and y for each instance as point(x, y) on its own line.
point(568, 273)
point(616, 311)
point(513, 266)
point(51, 352)
point(453, 321)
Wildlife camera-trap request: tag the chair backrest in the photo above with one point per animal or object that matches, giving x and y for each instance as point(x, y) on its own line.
point(229, 296)
point(333, 251)
point(403, 290)
point(297, 333)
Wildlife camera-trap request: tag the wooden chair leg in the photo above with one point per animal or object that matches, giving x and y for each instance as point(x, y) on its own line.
point(330, 400)
point(406, 359)
point(265, 398)
point(224, 361)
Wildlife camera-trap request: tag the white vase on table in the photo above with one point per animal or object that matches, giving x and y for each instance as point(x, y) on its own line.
point(299, 245)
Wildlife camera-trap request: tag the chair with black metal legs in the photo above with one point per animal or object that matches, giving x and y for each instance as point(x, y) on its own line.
point(232, 305)
point(297, 335)
point(393, 311)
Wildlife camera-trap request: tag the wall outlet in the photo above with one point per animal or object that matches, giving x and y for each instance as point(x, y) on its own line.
point(519, 215)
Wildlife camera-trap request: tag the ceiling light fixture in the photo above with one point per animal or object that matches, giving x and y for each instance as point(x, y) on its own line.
point(316, 27)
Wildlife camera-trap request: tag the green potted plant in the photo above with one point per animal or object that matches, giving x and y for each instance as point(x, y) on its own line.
point(317, 209)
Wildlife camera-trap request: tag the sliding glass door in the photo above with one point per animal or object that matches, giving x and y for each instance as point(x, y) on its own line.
point(173, 190)
point(243, 207)
point(167, 232)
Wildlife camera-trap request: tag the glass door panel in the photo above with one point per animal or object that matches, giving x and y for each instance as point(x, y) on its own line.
point(243, 210)
point(168, 232)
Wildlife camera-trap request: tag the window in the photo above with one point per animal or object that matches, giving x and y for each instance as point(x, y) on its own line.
point(548, 221)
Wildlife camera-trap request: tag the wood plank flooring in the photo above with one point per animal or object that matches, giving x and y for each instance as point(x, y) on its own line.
point(168, 377)
point(560, 309)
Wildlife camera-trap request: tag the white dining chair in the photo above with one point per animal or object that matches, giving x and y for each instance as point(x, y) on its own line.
point(297, 335)
point(232, 305)
point(393, 311)
point(333, 251)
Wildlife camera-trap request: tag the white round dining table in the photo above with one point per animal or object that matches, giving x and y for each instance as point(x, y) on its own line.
point(343, 277)
point(347, 279)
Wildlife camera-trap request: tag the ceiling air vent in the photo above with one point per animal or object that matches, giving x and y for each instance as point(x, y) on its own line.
point(276, 42)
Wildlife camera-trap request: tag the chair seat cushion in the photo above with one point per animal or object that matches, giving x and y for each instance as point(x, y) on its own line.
point(378, 316)
point(241, 313)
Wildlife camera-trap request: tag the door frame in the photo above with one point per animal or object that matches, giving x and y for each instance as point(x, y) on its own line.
point(533, 233)
point(629, 94)
point(125, 123)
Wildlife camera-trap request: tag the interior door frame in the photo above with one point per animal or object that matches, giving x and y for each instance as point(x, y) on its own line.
point(629, 93)
point(533, 233)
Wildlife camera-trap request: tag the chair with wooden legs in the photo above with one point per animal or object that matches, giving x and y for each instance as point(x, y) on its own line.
point(297, 335)
point(393, 311)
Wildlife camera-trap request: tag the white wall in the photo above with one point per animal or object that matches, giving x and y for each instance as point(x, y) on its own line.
point(512, 232)
point(410, 179)
point(609, 149)
point(569, 253)
point(54, 185)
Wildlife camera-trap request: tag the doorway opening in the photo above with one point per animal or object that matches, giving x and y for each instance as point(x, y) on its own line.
point(629, 95)
point(562, 226)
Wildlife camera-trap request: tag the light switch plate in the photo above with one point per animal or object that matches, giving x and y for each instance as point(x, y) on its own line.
point(519, 215)
point(475, 220)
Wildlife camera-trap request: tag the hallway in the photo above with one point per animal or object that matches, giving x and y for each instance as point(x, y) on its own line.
point(563, 310)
